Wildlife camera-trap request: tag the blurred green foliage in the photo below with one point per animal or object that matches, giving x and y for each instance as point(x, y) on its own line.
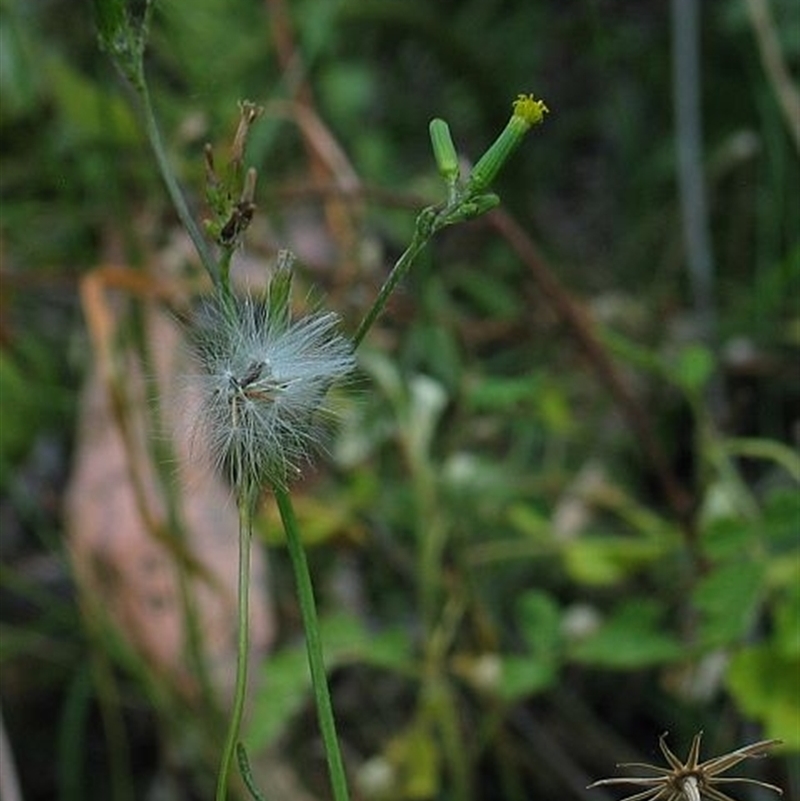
point(34, 400)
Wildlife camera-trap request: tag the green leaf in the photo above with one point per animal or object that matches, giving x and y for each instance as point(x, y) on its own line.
point(286, 684)
point(694, 368)
point(539, 619)
point(498, 393)
point(607, 560)
point(416, 757)
point(782, 518)
point(489, 294)
point(728, 599)
point(284, 690)
point(726, 536)
point(555, 409)
point(523, 676)
point(531, 523)
point(21, 83)
point(88, 114)
point(786, 616)
point(350, 91)
point(631, 638)
point(33, 399)
point(346, 639)
point(766, 686)
point(434, 348)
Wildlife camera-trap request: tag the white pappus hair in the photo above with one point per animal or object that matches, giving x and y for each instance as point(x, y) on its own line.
point(264, 382)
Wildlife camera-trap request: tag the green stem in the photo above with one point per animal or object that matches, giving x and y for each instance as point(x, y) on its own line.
point(453, 745)
point(460, 206)
point(399, 270)
point(224, 285)
point(319, 678)
point(431, 538)
point(175, 193)
point(246, 503)
point(116, 738)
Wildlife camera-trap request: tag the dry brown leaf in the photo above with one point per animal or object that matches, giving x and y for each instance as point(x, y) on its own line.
point(125, 557)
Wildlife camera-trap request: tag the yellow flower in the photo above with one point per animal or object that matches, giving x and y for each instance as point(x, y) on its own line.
point(526, 113)
point(530, 110)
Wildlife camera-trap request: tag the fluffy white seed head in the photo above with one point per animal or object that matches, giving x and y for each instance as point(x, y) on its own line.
point(264, 380)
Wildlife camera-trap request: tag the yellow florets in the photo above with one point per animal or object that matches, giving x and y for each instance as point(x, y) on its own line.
point(530, 110)
point(527, 112)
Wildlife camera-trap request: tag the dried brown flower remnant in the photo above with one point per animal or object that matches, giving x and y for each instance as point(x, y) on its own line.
point(691, 780)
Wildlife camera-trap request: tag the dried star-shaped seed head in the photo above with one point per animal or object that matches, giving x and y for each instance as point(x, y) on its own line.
point(692, 780)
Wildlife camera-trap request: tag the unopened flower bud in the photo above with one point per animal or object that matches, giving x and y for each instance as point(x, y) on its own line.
point(444, 151)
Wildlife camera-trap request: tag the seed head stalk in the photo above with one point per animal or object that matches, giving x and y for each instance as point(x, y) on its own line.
point(265, 378)
point(246, 505)
point(316, 664)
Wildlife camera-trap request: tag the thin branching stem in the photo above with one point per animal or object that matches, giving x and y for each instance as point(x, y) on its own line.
point(402, 266)
point(174, 190)
point(242, 646)
point(319, 679)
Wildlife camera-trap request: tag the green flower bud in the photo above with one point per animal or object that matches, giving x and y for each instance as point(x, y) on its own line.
point(444, 151)
point(279, 292)
point(527, 112)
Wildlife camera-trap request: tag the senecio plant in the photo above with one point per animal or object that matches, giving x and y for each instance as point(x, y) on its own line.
point(265, 374)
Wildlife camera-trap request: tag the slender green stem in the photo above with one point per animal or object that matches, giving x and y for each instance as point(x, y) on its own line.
point(319, 678)
point(245, 538)
point(224, 285)
point(431, 540)
point(175, 193)
point(116, 738)
point(461, 205)
point(453, 745)
point(399, 270)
